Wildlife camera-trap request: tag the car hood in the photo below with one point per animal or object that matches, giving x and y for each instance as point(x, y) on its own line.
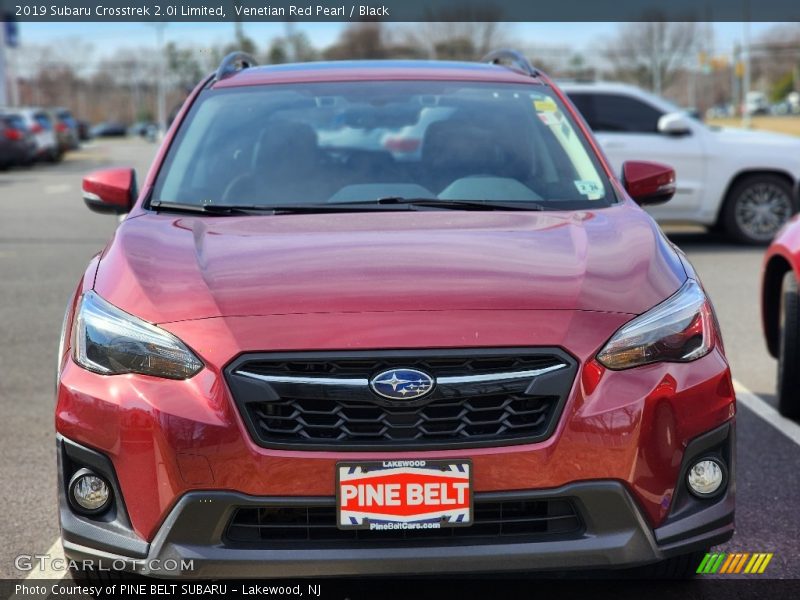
point(761, 140)
point(171, 267)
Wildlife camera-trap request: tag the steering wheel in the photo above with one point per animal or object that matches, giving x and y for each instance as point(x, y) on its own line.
point(239, 187)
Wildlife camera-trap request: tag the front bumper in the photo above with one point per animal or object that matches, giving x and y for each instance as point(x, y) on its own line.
point(191, 542)
point(168, 442)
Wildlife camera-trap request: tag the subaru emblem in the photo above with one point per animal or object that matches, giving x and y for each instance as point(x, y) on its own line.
point(401, 384)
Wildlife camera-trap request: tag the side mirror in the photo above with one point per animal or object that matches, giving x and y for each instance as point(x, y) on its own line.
point(674, 124)
point(648, 183)
point(110, 190)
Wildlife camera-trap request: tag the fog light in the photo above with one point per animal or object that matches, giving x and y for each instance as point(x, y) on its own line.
point(705, 477)
point(89, 493)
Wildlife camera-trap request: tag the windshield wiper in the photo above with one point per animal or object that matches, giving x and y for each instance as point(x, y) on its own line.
point(453, 204)
point(250, 209)
point(270, 209)
point(381, 204)
point(216, 209)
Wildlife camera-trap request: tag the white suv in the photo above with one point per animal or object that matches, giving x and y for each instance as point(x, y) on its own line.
point(742, 182)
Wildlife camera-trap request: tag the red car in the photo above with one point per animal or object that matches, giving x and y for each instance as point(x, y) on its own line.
point(305, 352)
point(781, 314)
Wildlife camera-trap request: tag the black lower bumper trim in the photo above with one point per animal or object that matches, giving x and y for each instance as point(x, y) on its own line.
point(615, 534)
point(694, 523)
point(112, 531)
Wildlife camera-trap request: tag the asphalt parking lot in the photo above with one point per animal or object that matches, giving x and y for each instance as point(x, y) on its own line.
point(47, 236)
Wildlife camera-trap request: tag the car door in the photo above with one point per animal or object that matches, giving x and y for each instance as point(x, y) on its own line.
point(627, 129)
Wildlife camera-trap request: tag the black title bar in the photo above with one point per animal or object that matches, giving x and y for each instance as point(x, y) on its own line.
point(401, 10)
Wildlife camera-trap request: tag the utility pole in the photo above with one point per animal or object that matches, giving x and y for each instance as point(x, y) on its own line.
point(238, 29)
point(291, 41)
point(735, 88)
point(161, 92)
point(747, 65)
point(11, 67)
point(657, 59)
point(3, 65)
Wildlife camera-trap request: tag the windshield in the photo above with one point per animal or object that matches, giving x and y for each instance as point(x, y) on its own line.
point(43, 120)
point(14, 121)
point(351, 142)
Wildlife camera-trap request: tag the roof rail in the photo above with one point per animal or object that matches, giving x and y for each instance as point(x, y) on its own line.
point(517, 59)
point(235, 61)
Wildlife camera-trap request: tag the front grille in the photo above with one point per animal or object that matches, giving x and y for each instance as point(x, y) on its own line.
point(441, 420)
point(508, 521)
point(442, 363)
point(323, 401)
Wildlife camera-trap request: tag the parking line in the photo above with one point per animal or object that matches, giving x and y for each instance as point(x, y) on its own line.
point(764, 410)
point(56, 551)
point(57, 188)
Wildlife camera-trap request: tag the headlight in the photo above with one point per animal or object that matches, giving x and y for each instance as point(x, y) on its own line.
point(110, 341)
point(680, 329)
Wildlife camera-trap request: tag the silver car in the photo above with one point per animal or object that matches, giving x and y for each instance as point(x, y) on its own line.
point(41, 126)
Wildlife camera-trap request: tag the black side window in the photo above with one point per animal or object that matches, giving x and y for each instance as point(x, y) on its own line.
point(14, 122)
point(585, 104)
point(616, 113)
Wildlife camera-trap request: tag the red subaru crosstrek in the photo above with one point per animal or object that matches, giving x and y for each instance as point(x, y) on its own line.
point(389, 317)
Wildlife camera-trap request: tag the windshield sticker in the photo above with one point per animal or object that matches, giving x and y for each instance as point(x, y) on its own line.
point(556, 122)
point(548, 118)
point(545, 105)
point(591, 189)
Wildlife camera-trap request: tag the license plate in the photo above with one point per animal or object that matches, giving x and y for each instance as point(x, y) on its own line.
point(404, 494)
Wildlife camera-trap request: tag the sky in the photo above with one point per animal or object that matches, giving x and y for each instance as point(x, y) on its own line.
point(108, 37)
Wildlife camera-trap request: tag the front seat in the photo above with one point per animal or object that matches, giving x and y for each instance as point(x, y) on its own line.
point(458, 148)
point(286, 168)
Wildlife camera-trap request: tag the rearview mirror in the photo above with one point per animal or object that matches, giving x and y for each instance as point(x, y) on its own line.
point(648, 183)
point(674, 124)
point(110, 190)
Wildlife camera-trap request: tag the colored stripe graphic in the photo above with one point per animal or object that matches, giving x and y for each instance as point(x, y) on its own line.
point(727, 564)
point(764, 564)
point(740, 563)
point(711, 563)
point(723, 563)
point(718, 563)
point(703, 564)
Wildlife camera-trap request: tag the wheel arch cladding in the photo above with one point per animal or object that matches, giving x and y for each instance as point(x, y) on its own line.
point(774, 272)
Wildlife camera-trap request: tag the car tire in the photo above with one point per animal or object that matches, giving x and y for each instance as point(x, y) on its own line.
point(756, 207)
point(789, 349)
point(683, 566)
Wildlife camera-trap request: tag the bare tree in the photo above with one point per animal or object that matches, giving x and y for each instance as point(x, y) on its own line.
point(184, 66)
point(58, 68)
point(651, 54)
point(294, 47)
point(463, 40)
point(359, 40)
point(776, 60)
